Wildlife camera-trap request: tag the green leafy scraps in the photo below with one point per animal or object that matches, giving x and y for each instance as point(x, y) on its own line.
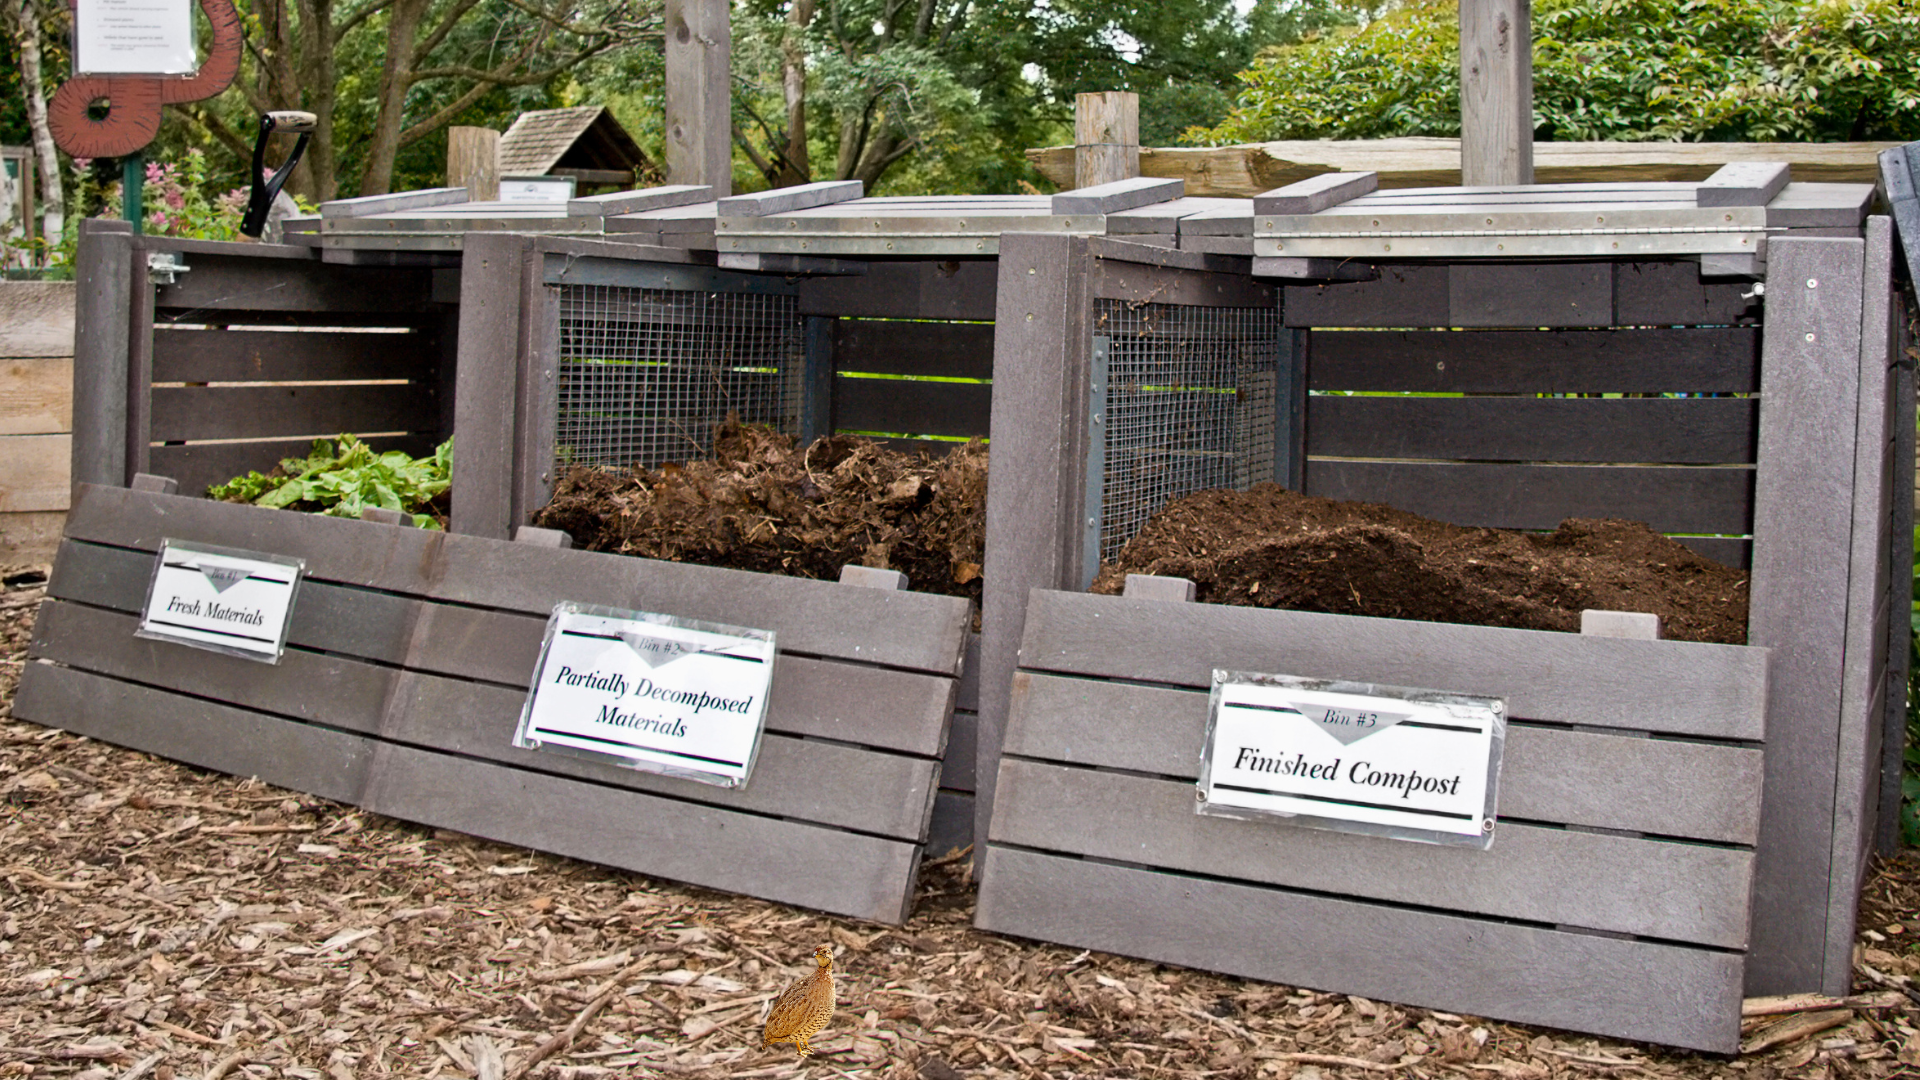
point(343, 476)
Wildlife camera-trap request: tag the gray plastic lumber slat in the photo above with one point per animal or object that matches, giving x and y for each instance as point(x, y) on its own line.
point(1316, 193)
point(247, 412)
point(1744, 183)
point(803, 779)
point(864, 877)
point(1896, 175)
point(1803, 519)
point(265, 356)
point(957, 769)
point(968, 696)
point(1900, 631)
point(1235, 222)
point(1042, 351)
point(1405, 295)
point(316, 760)
point(1118, 195)
point(1863, 676)
point(1813, 206)
point(1669, 430)
point(902, 347)
point(1725, 550)
point(913, 290)
point(787, 200)
point(1710, 691)
point(1674, 891)
point(1693, 360)
point(1671, 294)
point(321, 293)
point(951, 827)
point(1530, 294)
point(103, 298)
point(1163, 219)
point(1550, 774)
point(368, 205)
point(1626, 989)
point(1680, 498)
point(332, 690)
point(914, 631)
point(1146, 283)
point(959, 410)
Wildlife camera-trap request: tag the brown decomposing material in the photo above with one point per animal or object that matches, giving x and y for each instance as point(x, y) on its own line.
point(1269, 547)
point(347, 944)
point(762, 503)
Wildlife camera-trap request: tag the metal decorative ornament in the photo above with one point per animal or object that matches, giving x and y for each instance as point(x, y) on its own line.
point(133, 102)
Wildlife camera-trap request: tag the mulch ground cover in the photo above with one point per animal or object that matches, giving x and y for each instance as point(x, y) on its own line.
point(160, 921)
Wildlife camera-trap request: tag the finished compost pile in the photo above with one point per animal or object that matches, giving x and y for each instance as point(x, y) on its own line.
point(1270, 547)
point(762, 503)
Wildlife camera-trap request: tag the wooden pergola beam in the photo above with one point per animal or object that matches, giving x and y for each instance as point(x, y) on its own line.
point(1496, 92)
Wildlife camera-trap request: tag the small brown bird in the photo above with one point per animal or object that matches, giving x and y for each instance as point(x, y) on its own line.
point(802, 1009)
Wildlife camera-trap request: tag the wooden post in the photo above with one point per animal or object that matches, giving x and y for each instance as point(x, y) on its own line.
point(1106, 137)
point(473, 162)
point(102, 309)
point(1496, 92)
point(699, 98)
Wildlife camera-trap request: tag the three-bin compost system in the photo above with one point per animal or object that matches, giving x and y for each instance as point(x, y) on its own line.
point(1677, 823)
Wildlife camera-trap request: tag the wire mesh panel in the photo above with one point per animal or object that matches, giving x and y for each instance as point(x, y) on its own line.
point(647, 374)
point(1190, 403)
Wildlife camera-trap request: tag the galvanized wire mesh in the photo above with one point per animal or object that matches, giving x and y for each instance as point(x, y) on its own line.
point(647, 374)
point(1190, 405)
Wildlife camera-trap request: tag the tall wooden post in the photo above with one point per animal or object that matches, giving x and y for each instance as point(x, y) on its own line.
point(1106, 137)
point(1496, 92)
point(699, 116)
point(473, 162)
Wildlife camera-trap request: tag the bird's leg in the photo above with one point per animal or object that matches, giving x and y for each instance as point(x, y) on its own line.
point(800, 1044)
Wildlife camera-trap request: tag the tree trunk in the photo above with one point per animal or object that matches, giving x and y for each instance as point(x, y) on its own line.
point(396, 77)
point(794, 166)
point(26, 18)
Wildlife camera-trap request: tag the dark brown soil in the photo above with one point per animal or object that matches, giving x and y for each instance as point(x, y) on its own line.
point(761, 503)
point(1269, 547)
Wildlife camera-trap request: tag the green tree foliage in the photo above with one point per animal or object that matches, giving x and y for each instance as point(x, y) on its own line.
point(1693, 70)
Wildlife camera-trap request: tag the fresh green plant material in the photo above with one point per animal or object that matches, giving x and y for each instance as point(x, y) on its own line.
point(343, 476)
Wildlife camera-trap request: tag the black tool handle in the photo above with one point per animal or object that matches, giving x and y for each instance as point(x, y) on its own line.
point(267, 188)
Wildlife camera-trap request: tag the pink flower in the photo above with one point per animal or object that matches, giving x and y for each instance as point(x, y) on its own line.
point(155, 173)
point(176, 199)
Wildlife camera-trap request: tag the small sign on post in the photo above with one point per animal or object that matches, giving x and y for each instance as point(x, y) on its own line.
point(1386, 761)
point(653, 692)
point(134, 37)
point(221, 599)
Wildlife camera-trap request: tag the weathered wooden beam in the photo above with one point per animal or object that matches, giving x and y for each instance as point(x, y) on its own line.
point(1247, 170)
point(699, 94)
point(473, 161)
point(1496, 92)
point(1106, 136)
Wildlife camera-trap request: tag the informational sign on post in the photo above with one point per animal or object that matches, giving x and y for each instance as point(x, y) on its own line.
point(653, 692)
point(1386, 761)
point(134, 37)
point(221, 599)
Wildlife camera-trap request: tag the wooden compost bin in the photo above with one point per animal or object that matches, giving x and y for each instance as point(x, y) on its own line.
point(247, 355)
point(854, 352)
point(409, 656)
point(1784, 455)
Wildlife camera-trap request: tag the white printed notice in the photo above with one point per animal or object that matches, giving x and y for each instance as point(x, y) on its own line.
point(134, 37)
point(1387, 761)
point(222, 599)
point(654, 692)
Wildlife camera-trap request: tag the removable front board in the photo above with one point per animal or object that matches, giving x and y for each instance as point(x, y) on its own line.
point(1407, 764)
point(221, 599)
point(652, 692)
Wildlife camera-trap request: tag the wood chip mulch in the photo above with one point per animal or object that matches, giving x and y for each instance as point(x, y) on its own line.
point(160, 921)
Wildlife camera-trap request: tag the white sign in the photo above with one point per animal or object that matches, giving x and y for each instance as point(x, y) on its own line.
point(1412, 764)
point(654, 692)
point(134, 37)
point(536, 189)
point(234, 602)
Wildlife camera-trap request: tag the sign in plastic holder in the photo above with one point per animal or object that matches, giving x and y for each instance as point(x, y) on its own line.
point(651, 692)
point(221, 599)
point(134, 37)
point(1387, 761)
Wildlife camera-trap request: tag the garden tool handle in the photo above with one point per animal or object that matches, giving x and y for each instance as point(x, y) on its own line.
point(266, 189)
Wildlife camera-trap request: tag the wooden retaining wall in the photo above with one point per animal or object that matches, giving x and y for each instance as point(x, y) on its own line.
point(1795, 479)
point(36, 416)
point(409, 656)
point(1623, 857)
